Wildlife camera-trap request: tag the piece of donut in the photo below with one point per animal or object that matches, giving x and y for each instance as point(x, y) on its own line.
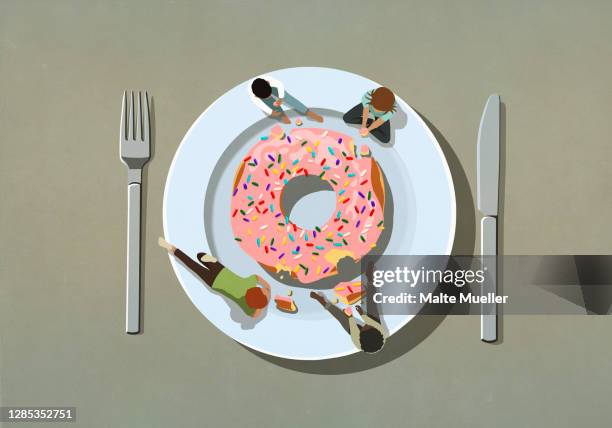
point(378, 182)
point(238, 175)
point(265, 232)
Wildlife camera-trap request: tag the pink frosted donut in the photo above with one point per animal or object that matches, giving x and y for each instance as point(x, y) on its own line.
point(264, 231)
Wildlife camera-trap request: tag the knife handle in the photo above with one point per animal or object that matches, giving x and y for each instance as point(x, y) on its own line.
point(488, 247)
point(132, 303)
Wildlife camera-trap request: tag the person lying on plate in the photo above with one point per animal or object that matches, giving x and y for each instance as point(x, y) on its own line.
point(246, 292)
point(269, 95)
point(369, 337)
point(373, 114)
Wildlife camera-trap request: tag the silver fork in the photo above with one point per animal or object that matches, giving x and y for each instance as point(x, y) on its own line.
point(135, 151)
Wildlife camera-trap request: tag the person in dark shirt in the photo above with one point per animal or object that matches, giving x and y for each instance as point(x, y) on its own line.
point(373, 114)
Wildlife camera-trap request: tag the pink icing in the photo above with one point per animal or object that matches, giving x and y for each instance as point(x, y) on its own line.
point(267, 235)
point(346, 288)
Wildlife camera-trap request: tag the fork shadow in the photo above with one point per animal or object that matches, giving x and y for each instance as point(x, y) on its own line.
point(143, 213)
point(425, 322)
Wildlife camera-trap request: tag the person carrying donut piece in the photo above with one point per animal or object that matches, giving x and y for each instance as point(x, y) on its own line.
point(269, 95)
point(246, 292)
point(372, 335)
point(373, 113)
point(369, 337)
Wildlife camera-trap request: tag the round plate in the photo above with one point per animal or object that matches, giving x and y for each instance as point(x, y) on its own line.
point(197, 204)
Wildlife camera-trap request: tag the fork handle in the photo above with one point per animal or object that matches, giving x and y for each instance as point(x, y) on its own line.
point(132, 308)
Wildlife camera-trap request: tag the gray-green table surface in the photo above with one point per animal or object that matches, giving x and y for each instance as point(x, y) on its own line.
point(63, 67)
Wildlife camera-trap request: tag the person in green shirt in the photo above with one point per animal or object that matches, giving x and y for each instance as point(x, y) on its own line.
point(245, 292)
point(373, 113)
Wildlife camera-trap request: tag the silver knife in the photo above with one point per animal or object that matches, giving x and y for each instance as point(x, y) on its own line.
point(488, 205)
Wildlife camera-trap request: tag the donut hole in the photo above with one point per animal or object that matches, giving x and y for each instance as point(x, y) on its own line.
point(308, 201)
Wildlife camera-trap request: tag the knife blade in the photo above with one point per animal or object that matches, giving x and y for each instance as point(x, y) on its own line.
point(488, 158)
point(488, 148)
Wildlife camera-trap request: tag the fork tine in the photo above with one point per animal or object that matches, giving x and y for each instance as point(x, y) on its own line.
point(145, 118)
point(138, 112)
point(122, 127)
point(130, 135)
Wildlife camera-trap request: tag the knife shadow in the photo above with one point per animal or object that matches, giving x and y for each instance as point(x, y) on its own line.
point(500, 220)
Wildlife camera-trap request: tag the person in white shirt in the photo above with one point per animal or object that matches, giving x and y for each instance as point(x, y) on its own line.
point(269, 95)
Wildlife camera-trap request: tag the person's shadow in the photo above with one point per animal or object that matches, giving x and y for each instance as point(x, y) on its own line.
point(425, 322)
point(399, 121)
point(246, 322)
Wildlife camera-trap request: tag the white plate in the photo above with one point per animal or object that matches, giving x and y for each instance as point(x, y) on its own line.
point(197, 204)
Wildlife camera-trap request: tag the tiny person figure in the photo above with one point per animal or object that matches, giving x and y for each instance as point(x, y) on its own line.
point(369, 337)
point(373, 113)
point(269, 95)
point(246, 292)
